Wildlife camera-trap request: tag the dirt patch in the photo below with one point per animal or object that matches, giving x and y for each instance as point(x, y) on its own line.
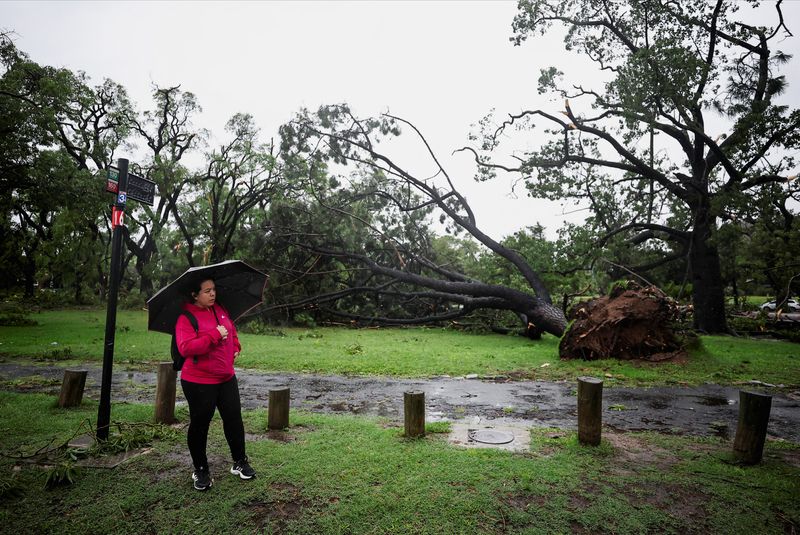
point(791, 457)
point(173, 465)
point(574, 527)
point(279, 435)
point(633, 452)
point(274, 514)
point(679, 501)
point(523, 501)
point(626, 324)
point(508, 521)
point(578, 502)
point(177, 461)
point(276, 435)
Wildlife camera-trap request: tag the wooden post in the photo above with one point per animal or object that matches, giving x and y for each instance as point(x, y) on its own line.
point(754, 408)
point(278, 414)
point(72, 388)
point(165, 393)
point(590, 410)
point(414, 408)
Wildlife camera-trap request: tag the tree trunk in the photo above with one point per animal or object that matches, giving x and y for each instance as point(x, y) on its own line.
point(144, 255)
point(708, 295)
point(145, 285)
point(102, 281)
point(78, 285)
point(29, 272)
point(143, 258)
point(544, 318)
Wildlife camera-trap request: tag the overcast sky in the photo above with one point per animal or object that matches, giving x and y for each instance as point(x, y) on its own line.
point(441, 65)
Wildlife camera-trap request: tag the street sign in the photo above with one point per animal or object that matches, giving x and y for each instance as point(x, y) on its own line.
point(112, 180)
point(139, 189)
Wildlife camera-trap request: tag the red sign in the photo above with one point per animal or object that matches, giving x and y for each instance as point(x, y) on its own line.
point(117, 217)
point(112, 186)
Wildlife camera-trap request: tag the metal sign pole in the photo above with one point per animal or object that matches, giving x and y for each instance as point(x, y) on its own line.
point(117, 214)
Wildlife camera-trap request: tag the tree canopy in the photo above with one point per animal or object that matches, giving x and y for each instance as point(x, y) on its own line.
point(685, 131)
point(683, 154)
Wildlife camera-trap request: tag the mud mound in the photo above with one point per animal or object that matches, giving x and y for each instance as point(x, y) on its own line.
point(626, 324)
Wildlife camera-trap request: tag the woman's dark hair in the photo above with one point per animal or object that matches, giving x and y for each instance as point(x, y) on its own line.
point(194, 289)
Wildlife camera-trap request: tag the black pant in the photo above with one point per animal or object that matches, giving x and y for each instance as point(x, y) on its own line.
point(203, 400)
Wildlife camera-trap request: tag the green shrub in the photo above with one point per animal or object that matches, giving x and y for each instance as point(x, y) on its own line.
point(305, 319)
point(257, 326)
point(17, 320)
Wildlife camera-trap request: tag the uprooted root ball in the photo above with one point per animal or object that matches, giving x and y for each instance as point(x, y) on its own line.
point(626, 324)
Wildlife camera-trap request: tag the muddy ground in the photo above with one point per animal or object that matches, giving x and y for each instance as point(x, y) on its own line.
point(703, 410)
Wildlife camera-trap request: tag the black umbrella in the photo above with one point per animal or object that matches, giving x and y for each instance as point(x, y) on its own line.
point(239, 289)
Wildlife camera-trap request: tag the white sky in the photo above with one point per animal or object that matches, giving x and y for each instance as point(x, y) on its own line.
point(442, 65)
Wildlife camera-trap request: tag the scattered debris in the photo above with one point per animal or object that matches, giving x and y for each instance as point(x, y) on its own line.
point(760, 383)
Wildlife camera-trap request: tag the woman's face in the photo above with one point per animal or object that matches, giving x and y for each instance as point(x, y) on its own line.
point(207, 295)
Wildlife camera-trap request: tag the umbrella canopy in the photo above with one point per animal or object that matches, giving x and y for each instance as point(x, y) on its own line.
point(239, 289)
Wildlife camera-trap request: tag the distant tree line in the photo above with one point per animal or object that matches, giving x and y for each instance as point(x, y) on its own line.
point(348, 232)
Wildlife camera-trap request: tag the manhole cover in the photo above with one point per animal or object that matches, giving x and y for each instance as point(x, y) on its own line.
point(489, 436)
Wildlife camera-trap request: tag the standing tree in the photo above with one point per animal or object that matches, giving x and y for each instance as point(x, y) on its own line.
point(766, 243)
point(686, 127)
point(57, 131)
point(238, 177)
point(168, 133)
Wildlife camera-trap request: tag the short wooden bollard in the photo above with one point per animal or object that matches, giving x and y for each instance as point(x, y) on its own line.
point(165, 393)
point(278, 413)
point(414, 408)
point(754, 408)
point(72, 388)
point(590, 410)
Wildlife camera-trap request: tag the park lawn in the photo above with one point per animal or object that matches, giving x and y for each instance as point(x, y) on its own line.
point(348, 474)
point(77, 336)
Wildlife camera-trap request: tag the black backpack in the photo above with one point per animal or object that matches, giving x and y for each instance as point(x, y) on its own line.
point(177, 358)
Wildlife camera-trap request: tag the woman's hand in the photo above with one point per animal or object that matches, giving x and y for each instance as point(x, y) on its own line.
point(222, 331)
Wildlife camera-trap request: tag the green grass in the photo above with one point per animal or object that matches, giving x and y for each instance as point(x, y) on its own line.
point(346, 474)
point(752, 301)
point(77, 335)
point(349, 474)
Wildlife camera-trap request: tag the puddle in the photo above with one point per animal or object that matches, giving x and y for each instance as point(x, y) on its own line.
point(680, 410)
point(714, 401)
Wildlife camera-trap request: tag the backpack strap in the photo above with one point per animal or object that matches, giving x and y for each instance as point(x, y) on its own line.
point(192, 320)
point(195, 326)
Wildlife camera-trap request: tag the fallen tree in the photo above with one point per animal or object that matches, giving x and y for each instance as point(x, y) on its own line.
point(388, 264)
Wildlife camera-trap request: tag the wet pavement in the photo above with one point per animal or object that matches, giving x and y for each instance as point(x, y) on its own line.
point(703, 410)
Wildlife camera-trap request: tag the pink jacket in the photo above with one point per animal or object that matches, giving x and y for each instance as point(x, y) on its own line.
point(214, 355)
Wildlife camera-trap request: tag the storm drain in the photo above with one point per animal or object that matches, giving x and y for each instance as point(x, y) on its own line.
point(489, 436)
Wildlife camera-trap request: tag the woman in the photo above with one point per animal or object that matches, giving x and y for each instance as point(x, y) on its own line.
point(209, 381)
